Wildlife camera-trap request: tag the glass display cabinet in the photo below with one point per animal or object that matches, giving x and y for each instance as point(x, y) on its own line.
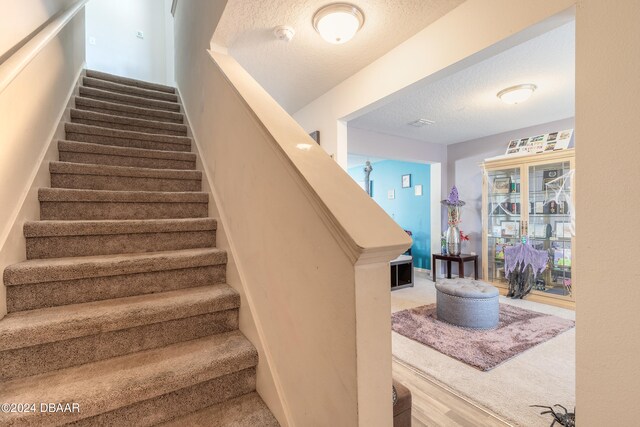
point(532, 198)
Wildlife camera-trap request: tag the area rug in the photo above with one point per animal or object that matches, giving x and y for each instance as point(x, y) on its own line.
point(518, 330)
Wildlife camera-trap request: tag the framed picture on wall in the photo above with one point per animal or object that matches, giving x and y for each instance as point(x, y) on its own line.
point(406, 181)
point(418, 190)
point(391, 194)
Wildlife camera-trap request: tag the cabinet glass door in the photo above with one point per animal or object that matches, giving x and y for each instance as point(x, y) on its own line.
point(550, 225)
point(504, 215)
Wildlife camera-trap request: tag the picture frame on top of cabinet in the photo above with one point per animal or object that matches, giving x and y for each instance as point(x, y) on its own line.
point(501, 185)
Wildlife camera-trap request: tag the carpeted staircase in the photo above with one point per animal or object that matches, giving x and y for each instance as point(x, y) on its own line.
point(122, 306)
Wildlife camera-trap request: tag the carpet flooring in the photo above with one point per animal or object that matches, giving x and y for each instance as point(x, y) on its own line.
point(544, 374)
point(518, 330)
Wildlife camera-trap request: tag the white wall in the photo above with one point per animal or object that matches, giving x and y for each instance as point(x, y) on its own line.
point(608, 202)
point(20, 19)
point(117, 49)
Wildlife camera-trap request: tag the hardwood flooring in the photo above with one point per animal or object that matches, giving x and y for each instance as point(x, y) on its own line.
point(434, 406)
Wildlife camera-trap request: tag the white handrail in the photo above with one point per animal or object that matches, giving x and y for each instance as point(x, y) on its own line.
point(10, 68)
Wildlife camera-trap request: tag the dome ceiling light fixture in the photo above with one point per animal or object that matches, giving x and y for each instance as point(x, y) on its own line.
point(516, 94)
point(337, 23)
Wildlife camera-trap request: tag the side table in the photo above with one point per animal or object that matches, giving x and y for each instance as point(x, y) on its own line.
point(460, 259)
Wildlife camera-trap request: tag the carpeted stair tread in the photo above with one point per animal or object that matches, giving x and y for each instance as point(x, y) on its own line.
point(123, 171)
point(46, 325)
point(123, 110)
point(245, 411)
point(122, 178)
point(129, 81)
point(110, 384)
point(57, 239)
point(76, 128)
point(120, 98)
point(73, 268)
point(80, 204)
point(127, 123)
point(82, 228)
point(128, 90)
point(124, 156)
point(71, 195)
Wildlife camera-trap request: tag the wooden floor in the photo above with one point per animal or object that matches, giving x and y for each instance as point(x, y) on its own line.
point(434, 406)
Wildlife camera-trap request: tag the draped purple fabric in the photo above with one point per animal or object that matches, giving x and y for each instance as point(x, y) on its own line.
point(522, 255)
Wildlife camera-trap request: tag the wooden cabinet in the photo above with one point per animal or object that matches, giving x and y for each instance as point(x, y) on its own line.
point(532, 198)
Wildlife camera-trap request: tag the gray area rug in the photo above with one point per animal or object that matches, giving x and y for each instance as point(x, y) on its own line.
point(518, 330)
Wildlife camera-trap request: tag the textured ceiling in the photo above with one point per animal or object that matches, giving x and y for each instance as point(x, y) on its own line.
point(464, 105)
point(297, 72)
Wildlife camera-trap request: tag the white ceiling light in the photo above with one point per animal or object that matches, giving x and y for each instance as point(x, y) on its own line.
point(338, 23)
point(516, 94)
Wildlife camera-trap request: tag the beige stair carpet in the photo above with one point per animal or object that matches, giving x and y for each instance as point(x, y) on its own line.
point(121, 306)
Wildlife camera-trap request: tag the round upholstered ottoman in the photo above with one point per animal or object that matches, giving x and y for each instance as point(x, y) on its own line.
point(467, 303)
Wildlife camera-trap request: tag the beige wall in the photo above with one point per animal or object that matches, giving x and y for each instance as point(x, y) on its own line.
point(310, 251)
point(470, 33)
point(31, 108)
point(192, 37)
point(20, 18)
point(608, 173)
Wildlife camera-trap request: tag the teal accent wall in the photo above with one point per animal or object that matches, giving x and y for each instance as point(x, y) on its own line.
point(409, 211)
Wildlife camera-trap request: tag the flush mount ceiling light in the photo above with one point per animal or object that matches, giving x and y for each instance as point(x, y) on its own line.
point(337, 23)
point(516, 94)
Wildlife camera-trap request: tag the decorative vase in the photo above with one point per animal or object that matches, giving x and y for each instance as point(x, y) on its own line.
point(453, 240)
point(453, 204)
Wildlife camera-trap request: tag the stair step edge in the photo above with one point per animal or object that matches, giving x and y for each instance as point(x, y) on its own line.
point(105, 227)
point(74, 268)
point(81, 101)
point(73, 195)
point(71, 168)
point(244, 411)
point(91, 148)
point(104, 386)
point(109, 118)
point(120, 98)
point(128, 89)
point(46, 325)
point(125, 134)
point(132, 82)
